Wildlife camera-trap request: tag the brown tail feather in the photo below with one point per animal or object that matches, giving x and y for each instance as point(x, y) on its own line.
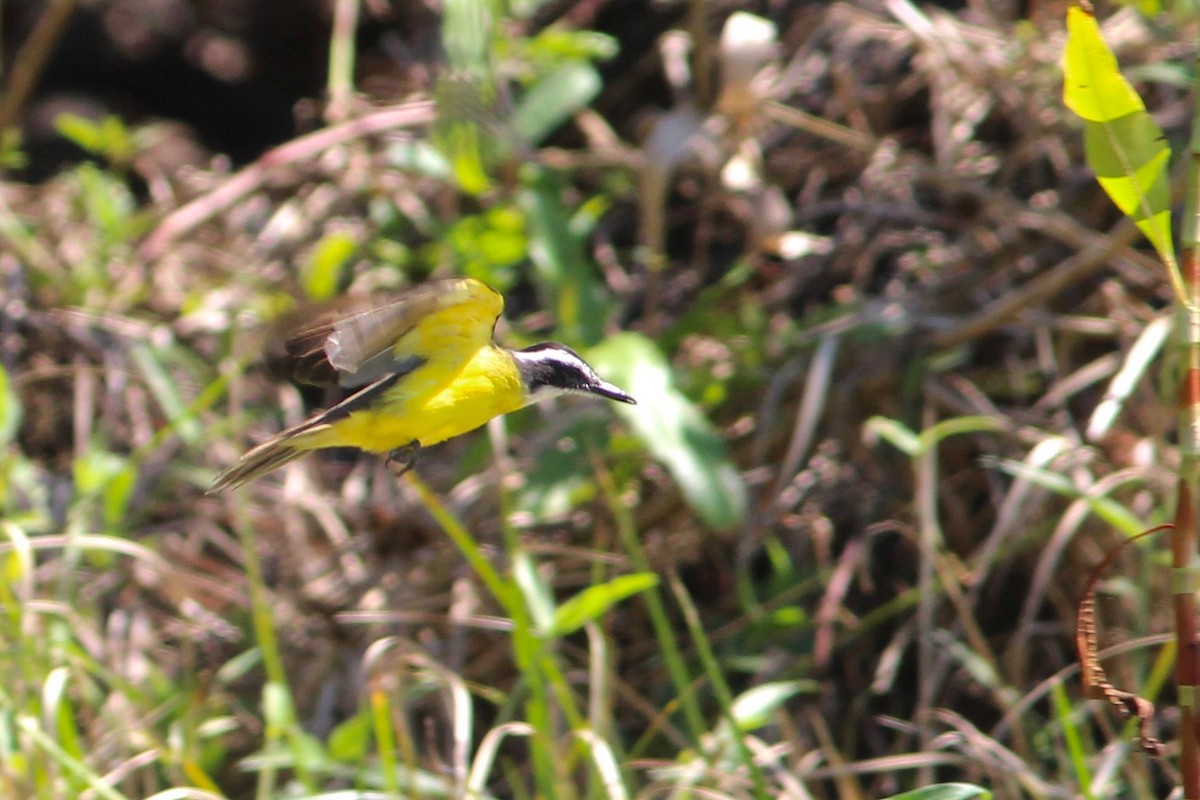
point(270, 455)
point(294, 442)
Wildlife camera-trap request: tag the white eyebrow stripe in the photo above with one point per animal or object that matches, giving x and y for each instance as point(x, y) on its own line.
point(556, 355)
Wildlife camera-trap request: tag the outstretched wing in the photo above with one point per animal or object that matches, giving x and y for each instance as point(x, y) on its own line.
point(356, 341)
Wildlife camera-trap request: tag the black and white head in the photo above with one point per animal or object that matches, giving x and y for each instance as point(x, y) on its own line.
point(550, 369)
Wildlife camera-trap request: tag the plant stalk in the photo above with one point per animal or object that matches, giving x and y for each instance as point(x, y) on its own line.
point(1184, 562)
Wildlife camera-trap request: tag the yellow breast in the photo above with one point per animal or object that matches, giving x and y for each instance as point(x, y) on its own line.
point(487, 386)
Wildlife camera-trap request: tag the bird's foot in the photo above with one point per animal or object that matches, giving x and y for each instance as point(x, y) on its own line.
point(402, 459)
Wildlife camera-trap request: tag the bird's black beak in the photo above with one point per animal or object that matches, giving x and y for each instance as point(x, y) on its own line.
point(606, 389)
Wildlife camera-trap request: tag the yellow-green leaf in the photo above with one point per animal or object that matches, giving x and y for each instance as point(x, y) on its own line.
point(595, 601)
point(1123, 144)
point(1093, 86)
point(323, 275)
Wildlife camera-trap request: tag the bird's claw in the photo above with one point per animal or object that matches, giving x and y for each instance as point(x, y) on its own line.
point(403, 458)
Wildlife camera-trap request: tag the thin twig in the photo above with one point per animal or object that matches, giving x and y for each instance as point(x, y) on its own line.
point(1041, 288)
point(31, 60)
point(187, 218)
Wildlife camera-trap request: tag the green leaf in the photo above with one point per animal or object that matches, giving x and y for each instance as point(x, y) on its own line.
point(895, 433)
point(11, 154)
point(16, 576)
point(561, 478)
point(117, 493)
point(562, 268)
point(1130, 148)
point(109, 204)
point(466, 34)
point(502, 240)
point(1131, 161)
point(94, 469)
point(753, 708)
point(239, 666)
point(594, 601)
point(65, 728)
point(278, 711)
point(349, 741)
point(460, 142)
point(533, 588)
point(672, 429)
point(10, 409)
point(151, 362)
point(106, 138)
point(557, 45)
point(555, 99)
point(468, 131)
point(424, 158)
point(322, 276)
point(1147, 8)
point(79, 131)
point(1093, 86)
point(1112, 511)
point(55, 692)
point(945, 791)
point(1123, 144)
point(486, 246)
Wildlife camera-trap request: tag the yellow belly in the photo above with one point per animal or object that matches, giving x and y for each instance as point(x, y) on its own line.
point(487, 386)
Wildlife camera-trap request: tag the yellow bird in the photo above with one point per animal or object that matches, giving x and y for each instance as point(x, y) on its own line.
point(426, 368)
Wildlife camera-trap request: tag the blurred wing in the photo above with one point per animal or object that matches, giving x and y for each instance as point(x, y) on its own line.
point(356, 341)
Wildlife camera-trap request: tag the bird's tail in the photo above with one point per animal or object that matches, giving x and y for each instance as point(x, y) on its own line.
point(270, 455)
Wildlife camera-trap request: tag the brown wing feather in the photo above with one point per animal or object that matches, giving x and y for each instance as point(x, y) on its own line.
point(349, 341)
point(295, 350)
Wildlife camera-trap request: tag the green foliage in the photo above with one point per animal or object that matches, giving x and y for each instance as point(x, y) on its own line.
point(152, 363)
point(554, 71)
point(537, 622)
point(1148, 8)
point(776, 604)
point(555, 99)
point(107, 138)
point(595, 601)
point(105, 220)
point(107, 477)
point(915, 444)
point(560, 478)
point(466, 94)
point(108, 208)
point(11, 154)
point(1124, 145)
point(488, 246)
point(1110, 509)
point(552, 48)
point(946, 791)
point(324, 276)
point(673, 429)
point(57, 678)
point(467, 30)
point(755, 707)
point(471, 151)
point(10, 410)
point(565, 276)
point(349, 741)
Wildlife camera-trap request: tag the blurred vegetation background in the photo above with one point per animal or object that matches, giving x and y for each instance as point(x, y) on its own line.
point(846, 255)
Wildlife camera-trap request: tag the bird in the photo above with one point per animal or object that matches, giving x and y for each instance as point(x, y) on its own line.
point(424, 367)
